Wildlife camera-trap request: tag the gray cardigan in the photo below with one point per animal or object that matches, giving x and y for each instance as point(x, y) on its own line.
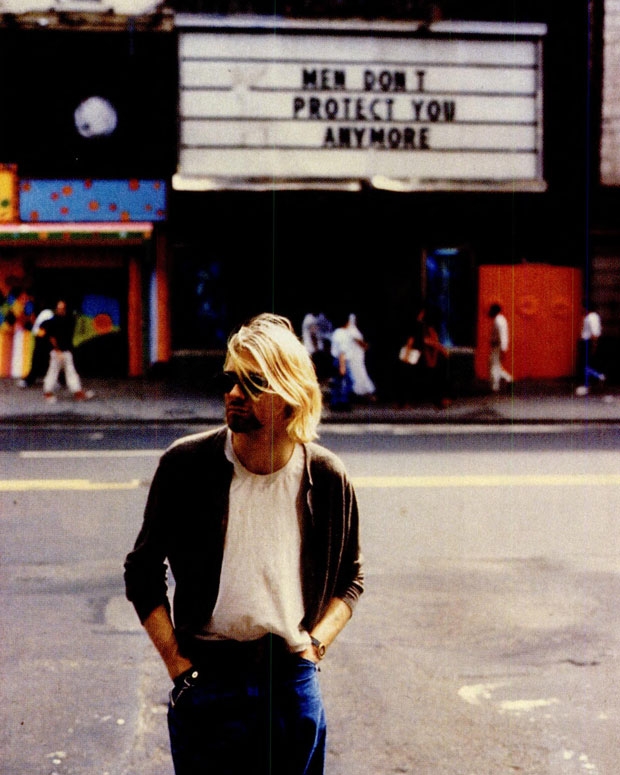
point(185, 523)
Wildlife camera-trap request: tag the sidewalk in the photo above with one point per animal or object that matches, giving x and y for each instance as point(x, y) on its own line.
point(146, 401)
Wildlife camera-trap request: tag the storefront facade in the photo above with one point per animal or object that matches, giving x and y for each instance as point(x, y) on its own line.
point(87, 152)
point(363, 168)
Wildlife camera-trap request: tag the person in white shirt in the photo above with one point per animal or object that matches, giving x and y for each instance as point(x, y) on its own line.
point(499, 346)
point(587, 347)
point(342, 382)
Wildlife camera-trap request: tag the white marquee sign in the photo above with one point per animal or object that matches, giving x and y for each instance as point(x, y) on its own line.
point(327, 106)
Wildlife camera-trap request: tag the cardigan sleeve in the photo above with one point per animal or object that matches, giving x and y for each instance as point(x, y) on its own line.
point(146, 572)
point(332, 558)
point(179, 539)
point(351, 581)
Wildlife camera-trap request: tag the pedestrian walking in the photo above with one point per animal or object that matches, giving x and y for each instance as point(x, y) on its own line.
point(316, 334)
point(588, 355)
point(499, 341)
point(363, 386)
point(259, 526)
point(435, 358)
point(341, 383)
point(407, 371)
point(59, 332)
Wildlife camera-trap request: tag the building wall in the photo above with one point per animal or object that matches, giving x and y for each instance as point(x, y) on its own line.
point(602, 285)
point(91, 137)
point(542, 305)
point(610, 98)
point(231, 254)
point(364, 251)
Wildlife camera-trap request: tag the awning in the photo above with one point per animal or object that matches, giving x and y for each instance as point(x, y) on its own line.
point(74, 233)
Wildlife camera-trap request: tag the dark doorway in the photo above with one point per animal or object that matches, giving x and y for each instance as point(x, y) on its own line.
point(97, 298)
point(451, 293)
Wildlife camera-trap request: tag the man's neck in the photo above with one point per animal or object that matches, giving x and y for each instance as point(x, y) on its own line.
point(263, 452)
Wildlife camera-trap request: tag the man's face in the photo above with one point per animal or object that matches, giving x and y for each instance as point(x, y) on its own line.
point(245, 413)
point(61, 308)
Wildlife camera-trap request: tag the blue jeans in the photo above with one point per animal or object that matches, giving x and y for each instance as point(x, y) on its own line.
point(587, 365)
point(265, 719)
point(341, 387)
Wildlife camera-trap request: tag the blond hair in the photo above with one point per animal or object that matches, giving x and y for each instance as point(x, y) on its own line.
point(269, 342)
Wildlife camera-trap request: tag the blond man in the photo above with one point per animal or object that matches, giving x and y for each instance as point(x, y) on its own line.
point(259, 525)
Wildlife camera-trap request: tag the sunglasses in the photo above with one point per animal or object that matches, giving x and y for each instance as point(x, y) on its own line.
point(252, 387)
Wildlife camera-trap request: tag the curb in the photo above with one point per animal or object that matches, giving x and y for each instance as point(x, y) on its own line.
point(23, 421)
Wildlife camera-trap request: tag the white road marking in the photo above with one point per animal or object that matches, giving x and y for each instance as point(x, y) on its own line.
point(474, 693)
point(524, 706)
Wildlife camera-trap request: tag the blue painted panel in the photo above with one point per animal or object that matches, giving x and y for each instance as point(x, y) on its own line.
point(116, 201)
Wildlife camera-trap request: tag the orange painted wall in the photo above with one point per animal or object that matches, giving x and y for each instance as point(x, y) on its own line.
point(164, 344)
point(134, 318)
point(542, 304)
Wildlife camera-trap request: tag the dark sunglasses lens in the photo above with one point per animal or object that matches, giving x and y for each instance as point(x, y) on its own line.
point(254, 386)
point(226, 381)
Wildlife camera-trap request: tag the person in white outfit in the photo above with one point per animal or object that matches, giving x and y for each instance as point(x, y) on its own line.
point(59, 331)
point(362, 384)
point(499, 345)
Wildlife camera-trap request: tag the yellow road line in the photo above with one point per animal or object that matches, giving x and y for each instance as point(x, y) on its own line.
point(489, 480)
point(376, 482)
point(25, 485)
point(82, 453)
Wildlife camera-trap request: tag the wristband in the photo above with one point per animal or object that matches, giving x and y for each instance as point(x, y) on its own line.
point(321, 648)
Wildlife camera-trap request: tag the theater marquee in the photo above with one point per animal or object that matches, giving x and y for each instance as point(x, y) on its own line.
point(458, 106)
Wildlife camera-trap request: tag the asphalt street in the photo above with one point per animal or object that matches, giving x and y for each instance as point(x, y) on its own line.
point(487, 640)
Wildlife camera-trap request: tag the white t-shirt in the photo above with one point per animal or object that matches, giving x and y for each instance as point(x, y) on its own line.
point(260, 583)
point(500, 324)
point(342, 343)
point(592, 327)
